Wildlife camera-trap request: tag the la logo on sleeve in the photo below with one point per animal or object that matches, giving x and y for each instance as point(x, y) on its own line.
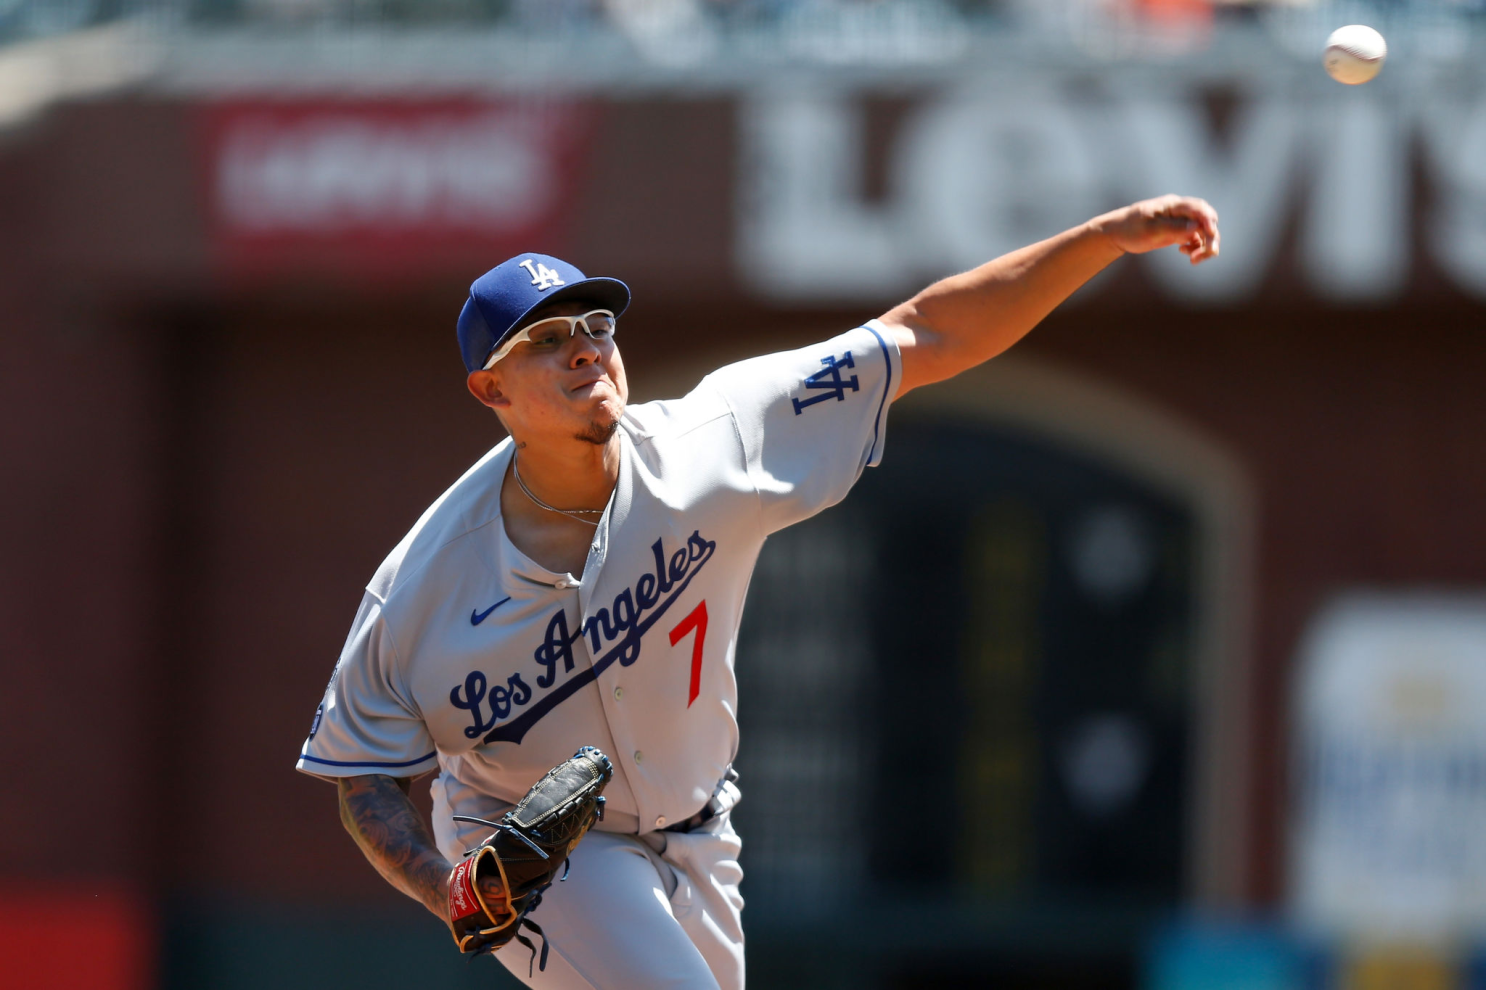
point(829, 381)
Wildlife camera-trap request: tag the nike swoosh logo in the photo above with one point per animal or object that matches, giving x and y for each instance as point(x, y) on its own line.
point(478, 617)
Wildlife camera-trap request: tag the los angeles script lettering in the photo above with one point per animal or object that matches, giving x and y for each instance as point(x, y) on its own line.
point(613, 633)
point(502, 697)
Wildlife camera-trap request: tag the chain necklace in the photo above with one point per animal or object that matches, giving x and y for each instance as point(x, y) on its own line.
point(570, 513)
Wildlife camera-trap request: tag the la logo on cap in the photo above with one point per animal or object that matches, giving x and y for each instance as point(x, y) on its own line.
point(542, 277)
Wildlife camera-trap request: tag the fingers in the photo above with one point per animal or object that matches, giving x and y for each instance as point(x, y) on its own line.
point(1197, 251)
point(1185, 221)
point(1204, 218)
point(1189, 235)
point(1197, 248)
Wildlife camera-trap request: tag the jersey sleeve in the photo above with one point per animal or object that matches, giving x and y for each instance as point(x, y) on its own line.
point(366, 723)
point(810, 420)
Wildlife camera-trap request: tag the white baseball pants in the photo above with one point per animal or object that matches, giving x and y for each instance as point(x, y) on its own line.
point(654, 912)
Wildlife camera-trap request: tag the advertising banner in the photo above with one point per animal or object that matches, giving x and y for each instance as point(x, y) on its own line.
point(387, 188)
point(1333, 195)
point(1389, 839)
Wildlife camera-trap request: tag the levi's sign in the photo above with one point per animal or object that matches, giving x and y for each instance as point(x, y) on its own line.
point(354, 178)
point(1336, 192)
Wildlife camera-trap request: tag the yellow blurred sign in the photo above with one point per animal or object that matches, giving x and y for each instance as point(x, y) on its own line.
point(1399, 969)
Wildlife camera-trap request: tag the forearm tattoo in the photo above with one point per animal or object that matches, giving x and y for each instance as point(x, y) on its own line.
point(389, 830)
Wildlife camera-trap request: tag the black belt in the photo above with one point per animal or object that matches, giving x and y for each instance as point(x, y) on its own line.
point(724, 798)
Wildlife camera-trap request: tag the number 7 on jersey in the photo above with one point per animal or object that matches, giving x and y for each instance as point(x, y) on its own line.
point(696, 620)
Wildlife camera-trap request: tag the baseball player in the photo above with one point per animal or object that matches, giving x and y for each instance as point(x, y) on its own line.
point(583, 582)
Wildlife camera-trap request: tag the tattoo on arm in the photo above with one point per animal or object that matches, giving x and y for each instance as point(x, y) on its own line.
point(377, 812)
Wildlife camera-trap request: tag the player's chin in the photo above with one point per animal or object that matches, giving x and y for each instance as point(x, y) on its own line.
point(602, 421)
point(598, 431)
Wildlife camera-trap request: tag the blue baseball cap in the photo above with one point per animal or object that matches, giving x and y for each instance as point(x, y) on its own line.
point(501, 300)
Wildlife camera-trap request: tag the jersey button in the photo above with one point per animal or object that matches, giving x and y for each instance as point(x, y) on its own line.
point(639, 756)
point(618, 693)
point(660, 822)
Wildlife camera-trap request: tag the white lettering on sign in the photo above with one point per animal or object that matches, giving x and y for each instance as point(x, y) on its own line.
point(805, 233)
point(1455, 140)
point(986, 176)
point(1355, 235)
point(977, 171)
point(332, 172)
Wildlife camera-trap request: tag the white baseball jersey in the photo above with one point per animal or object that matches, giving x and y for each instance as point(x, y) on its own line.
point(469, 657)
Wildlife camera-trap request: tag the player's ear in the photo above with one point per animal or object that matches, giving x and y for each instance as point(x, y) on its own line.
point(485, 386)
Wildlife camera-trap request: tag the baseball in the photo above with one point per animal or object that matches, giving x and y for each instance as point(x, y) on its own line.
point(1354, 54)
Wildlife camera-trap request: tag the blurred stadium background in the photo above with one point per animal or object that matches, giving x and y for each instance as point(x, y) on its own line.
point(1178, 608)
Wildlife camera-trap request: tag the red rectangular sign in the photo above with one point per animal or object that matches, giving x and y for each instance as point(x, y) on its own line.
point(75, 937)
point(389, 188)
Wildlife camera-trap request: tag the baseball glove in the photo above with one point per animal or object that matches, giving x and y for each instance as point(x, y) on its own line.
point(530, 843)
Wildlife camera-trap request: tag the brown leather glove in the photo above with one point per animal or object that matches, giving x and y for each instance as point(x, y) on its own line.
point(524, 853)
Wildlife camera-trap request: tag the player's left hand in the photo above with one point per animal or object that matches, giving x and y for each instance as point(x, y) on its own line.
point(494, 894)
point(493, 889)
point(1153, 224)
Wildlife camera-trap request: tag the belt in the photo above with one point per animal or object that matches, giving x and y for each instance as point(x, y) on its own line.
point(724, 798)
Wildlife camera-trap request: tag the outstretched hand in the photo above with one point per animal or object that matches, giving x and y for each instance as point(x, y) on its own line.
point(1152, 224)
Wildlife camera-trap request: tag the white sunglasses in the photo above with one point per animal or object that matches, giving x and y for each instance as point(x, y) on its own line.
point(549, 334)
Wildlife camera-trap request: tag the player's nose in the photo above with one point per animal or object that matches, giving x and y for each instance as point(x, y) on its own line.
point(583, 350)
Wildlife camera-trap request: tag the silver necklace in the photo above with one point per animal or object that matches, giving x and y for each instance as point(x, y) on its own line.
point(570, 513)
